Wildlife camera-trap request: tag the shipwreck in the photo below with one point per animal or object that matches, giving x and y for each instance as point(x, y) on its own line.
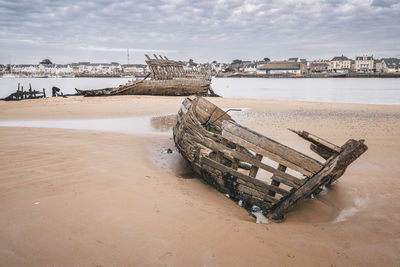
point(20, 94)
point(228, 156)
point(167, 78)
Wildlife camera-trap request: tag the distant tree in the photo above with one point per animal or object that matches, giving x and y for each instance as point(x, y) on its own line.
point(9, 67)
point(237, 61)
point(214, 61)
point(192, 63)
point(228, 69)
point(46, 62)
point(266, 59)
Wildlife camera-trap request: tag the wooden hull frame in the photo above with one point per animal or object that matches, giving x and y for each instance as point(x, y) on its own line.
point(20, 94)
point(168, 78)
point(228, 156)
point(174, 87)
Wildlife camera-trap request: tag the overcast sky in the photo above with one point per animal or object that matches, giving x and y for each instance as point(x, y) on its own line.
point(223, 30)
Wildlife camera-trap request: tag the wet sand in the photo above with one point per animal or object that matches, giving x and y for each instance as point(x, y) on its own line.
point(85, 197)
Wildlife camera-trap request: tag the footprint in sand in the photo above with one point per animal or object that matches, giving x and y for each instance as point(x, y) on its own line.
point(157, 210)
point(165, 255)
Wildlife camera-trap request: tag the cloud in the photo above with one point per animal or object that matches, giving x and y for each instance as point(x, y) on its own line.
point(385, 3)
point(202, 30)
point(113, 49)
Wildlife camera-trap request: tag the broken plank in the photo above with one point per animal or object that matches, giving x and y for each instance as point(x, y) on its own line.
point(254, 168)
point(274, 181)
point(281, 176)
point(272, 146)
point(317, 140)
point(352, 149)
point(266, 153)
point(242, 176)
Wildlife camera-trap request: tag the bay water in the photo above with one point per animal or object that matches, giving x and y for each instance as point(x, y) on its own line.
point(343, 90)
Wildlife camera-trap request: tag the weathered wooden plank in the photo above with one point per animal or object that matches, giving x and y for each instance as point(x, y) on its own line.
point(220, 155)
point(255, 148)
point(272, 146)
point(235, 162)
point(281, 176)
point(245, 191)
point(275, 181)
point(242, 176)
point(263, 193)
point(317, 140)
point(207, 113)
point(335, 166)
point(254, 168)
point(322, 151)
point(250, 191)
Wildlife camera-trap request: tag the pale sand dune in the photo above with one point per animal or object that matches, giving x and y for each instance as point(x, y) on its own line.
point(87, 198)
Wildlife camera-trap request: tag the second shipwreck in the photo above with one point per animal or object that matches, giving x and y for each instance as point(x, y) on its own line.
point(167, 78)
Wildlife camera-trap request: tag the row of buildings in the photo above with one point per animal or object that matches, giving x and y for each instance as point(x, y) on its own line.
point(339, 64)
point(80, 68)
point(298, 66)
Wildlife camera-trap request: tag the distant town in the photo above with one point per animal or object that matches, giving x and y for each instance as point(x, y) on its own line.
point(339, 65)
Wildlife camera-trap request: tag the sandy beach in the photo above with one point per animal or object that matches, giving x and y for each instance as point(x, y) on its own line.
point(82, 197)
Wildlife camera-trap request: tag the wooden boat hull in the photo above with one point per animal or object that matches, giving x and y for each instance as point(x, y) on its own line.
point(20, 94)
point(168, 78)
point(228, 156)
point(175, 87)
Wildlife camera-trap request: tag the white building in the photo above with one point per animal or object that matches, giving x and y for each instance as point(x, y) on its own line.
point(249, 68)
point(48, 69)
point(297, 59)
point(390, 65)
point(282, 67)
point(134, 68)
point(364, 64)
point(218, 67)
point(318, 66)
point(340, 64)
point(64, 69)
point(96, 68)
point(25, 68)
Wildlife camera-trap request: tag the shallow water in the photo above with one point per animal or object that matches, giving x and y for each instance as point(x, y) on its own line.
point(127, 125)
point(161, 125)
point(67, 85)
point(346, 90)
point(346, 213)
point(171, 162)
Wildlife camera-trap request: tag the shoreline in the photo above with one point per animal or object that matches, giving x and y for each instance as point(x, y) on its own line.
point(358, 90)
point(230, 75)
point(64, 107)
point(238, 98)
point(350, 74)
point(310, 75)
